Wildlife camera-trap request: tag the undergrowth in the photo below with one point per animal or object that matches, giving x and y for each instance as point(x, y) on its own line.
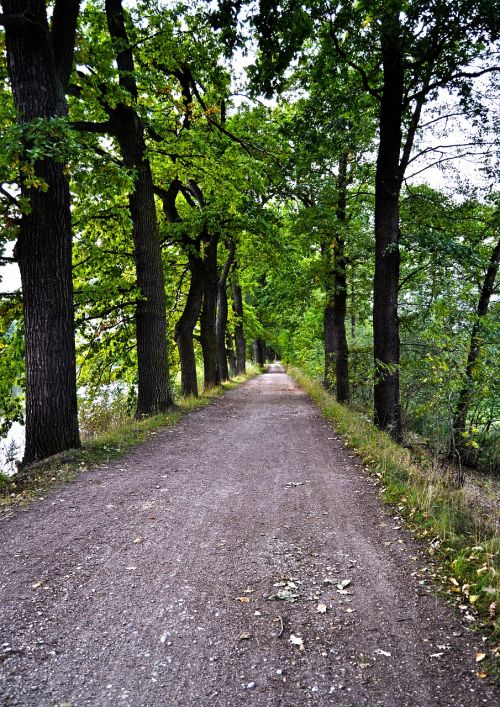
point(463, 547)
point(121, 434)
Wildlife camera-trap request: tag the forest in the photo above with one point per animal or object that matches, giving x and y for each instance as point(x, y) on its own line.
point(189, 185)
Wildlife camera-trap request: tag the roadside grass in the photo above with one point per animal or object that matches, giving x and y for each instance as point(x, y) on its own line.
point(462, 545)
point(38, 479)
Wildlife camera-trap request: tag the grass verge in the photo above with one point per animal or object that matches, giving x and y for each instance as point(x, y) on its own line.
point(463, 548)
point(40, 478)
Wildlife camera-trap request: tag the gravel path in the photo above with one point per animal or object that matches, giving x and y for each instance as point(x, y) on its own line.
point(146, 582)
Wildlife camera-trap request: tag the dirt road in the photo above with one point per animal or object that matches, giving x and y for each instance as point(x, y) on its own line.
point(147, 583)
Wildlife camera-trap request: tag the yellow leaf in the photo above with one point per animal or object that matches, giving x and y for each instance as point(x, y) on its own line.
point(480, 657)
point(244, 600)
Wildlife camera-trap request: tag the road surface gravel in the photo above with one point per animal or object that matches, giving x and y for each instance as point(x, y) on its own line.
point(147, 581)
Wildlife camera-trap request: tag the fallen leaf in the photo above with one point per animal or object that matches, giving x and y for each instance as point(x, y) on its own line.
point(321, 608)
point(244, 600)
point(437, 655)
point(37, 585)
point(132, 567)
point(480, 657)
point(379, 651)
point(137, 541)
point(492, 609)
point(245, 637)
point(297, 641)
point(283, 595)
point(482, 675)
point(248, 590)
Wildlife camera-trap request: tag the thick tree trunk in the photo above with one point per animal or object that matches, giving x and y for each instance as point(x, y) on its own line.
point(464, 398)
point(336, 349)
point(208, 334)
point(388, 181)
point(239, 332)
point(186, 324)
point(222, 314)
point(154, 394)
point(38, 73)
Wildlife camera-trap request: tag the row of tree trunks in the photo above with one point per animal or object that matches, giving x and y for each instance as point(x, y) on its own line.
point(259, 352)
point(204, 276)
point(154, 394)
point(39, 63)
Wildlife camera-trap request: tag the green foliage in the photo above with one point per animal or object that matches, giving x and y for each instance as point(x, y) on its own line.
point(11, 376)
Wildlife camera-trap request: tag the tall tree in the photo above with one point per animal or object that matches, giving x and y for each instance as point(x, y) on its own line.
point(40, 61)
point(465, 394)
point(154, 394)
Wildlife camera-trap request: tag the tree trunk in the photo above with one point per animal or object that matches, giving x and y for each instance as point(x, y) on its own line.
point(258, 347)
point(388, 181)
point(154, 394)
point(186, 324)
point(222, 313)
point(208, 334)
point(230, 353)
point(464, 398)
point(39, 71)
point(336, 349)
point(239, 332)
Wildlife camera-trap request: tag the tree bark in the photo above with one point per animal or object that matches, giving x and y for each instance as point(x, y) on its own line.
point(336, 349)
point(464, 398)
point(208, 334)
point(222, 313)
point(388, 182)
point(258, 347)
point(186, 324)
point(154, 394)
point(231, 356)
point(239, 332)
point(39, 71)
